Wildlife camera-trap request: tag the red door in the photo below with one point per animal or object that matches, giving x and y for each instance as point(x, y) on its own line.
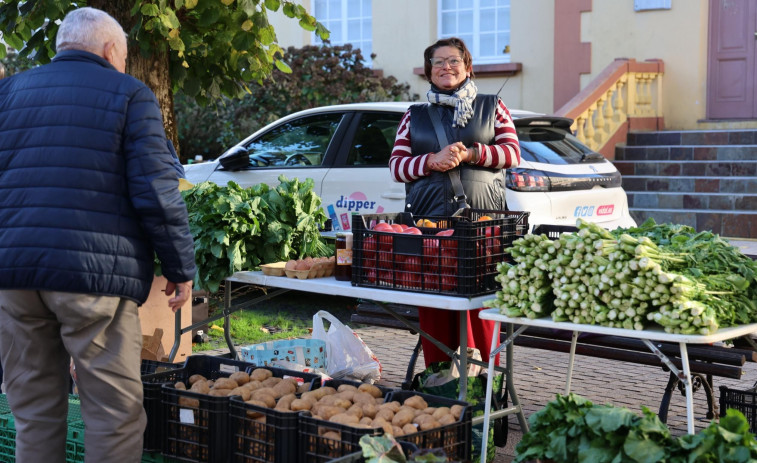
point(731, 70)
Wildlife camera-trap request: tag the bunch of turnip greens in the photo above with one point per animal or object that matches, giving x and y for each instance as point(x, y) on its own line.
point(237, 228)
point(669, 275)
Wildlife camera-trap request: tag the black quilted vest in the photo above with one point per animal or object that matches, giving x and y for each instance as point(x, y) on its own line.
point(433, 194)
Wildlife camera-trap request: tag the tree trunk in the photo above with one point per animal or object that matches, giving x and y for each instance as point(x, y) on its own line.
point(153, 70)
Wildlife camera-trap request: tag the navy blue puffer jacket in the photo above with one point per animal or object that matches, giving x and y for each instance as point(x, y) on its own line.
point(87, 184)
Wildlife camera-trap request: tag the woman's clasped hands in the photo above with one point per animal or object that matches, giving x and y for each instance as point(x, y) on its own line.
point(448, 158)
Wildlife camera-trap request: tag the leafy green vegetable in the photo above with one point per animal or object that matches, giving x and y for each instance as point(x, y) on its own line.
point(572, 429)
point(382, 449)
point(237, 228)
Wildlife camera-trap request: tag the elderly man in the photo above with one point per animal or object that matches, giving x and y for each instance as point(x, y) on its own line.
point(88, 196)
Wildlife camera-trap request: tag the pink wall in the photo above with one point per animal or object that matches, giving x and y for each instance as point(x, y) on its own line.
point(572, 57)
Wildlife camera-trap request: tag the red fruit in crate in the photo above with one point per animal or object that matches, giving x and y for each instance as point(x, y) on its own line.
point(403, 227)
point(397, 228)
point(370, 274)
point(369, 249)
point(449, 282)
point(383, 227)
point(412, 231)
point(447, 232)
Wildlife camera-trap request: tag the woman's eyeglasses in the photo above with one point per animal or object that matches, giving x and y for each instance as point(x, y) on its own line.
point(453, 62)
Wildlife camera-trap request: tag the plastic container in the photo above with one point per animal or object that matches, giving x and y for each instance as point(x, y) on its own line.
point(743, 401)
point(453, 255)
point(196, 425)
point(308, 352)
point(262, 434)
point(454, 438)
point(151, 401)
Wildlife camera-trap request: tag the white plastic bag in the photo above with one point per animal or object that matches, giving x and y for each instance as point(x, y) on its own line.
point(347, 356)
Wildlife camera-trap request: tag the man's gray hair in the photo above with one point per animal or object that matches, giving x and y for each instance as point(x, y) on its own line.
point(87, 29)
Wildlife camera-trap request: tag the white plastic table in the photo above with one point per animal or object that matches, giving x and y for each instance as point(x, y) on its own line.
point(647, 336)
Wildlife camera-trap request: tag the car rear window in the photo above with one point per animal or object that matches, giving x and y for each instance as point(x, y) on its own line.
point(554, 146)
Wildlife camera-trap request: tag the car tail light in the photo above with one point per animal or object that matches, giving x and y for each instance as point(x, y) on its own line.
point(527, 180)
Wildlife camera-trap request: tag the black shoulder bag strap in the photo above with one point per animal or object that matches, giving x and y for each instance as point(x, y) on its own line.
point(454, 174)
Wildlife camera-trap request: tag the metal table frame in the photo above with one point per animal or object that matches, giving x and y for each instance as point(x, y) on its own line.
point(646, 336)
point(274, 286)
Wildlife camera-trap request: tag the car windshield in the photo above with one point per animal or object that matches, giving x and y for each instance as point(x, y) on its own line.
point(301, 142)
point(554, 146)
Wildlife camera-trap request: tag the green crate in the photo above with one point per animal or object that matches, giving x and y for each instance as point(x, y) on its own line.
point(74, 439)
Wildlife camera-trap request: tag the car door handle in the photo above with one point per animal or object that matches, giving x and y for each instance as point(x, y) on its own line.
point(393, 195)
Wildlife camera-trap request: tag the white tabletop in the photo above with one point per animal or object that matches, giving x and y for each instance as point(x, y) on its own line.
point(652, 334)
point(331, 286)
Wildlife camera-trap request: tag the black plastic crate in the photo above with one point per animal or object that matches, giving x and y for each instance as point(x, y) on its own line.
point(316, 446)
point(321, 441)
point(197, 427)
point(155, 374)
point(262, 434)
point(743, 401)
point(554, 231)
point(461, 262)
point(454, 439)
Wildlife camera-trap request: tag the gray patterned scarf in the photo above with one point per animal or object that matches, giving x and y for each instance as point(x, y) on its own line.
point(461, 99)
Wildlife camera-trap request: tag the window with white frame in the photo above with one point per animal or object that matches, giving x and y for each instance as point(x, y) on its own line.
point(349, 21)
point(484, 26)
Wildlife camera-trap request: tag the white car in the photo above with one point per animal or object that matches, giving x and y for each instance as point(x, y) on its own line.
point(345, 149)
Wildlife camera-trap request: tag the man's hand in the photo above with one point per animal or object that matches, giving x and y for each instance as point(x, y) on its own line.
point(183, 293)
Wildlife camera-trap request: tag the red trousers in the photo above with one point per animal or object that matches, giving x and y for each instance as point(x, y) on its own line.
point(444, 325)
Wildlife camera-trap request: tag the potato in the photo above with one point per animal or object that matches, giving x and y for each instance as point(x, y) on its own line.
point(194, 378)
point(363, 398)
point(456, 411)
point(397, 431)
point(369, 410)
point(346, 395)
point(242, 392)
point(225, 383)
point(284, 404)
point(429, 424)
point(327, 411)
point(447, 419)
point(219, 392)
point(253, 385)
point(260, 374)
point(393, 406)
point(267, 399)
point(189, 402)
point(345, 418)
point(240, 377)
point(180, 386)
point(300, 404)
point(383, 424)
point(419, 419)
point(284, 388)
point(370, 389)
point(409, 429)
point(385, 414)
point(356, 410)
point(402, 417)
point(440, 412)
point(200, 386)
point(366, 421)
point(416, 402)
point(346, 387)
point(324, 391)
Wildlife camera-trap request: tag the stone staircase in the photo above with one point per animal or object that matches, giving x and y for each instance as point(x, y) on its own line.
point(706, 179)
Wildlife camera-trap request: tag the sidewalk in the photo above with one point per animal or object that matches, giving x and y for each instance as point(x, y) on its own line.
point(538, 374)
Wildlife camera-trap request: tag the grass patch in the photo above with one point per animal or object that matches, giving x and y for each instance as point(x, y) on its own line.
point(289, 315)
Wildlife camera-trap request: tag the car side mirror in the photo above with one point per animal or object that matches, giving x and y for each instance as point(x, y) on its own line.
point(237, 158)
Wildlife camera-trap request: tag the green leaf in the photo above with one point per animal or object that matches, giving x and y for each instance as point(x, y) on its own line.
point(248, 6)
point(243, 41)
point(149, 9)
point(282, 66)
point(190, 4)
point(272, 5)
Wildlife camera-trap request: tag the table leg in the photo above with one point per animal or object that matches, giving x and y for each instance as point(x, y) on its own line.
point(463, 387)
point(510, 381)
point(689, 389)
point(572, 357)
point(489, 380)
